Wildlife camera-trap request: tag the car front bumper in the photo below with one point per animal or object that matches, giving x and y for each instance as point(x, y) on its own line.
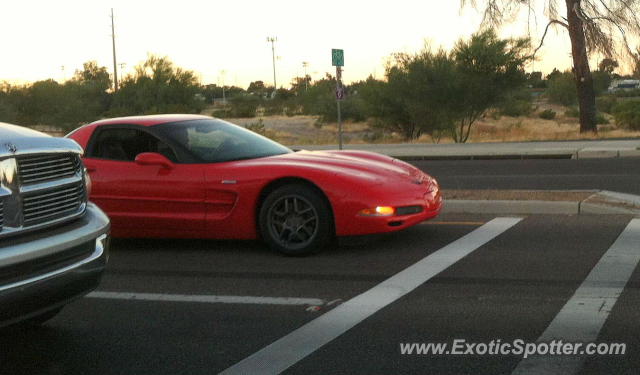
point(357, 224)
point(45, 270)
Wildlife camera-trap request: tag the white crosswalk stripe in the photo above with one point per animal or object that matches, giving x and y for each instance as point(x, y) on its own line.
point(582, 317)
point(295, 346)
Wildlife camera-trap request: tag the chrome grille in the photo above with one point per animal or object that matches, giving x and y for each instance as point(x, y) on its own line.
point(52, 204)
point(41, 168)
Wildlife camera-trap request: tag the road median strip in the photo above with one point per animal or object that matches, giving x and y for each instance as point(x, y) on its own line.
point(553, 202)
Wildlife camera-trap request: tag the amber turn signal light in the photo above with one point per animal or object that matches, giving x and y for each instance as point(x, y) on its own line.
point(378, 211)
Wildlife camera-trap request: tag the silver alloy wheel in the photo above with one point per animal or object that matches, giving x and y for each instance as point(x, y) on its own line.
point(293, 222)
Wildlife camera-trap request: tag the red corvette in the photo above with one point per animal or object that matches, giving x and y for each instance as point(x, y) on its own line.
point(189, 176)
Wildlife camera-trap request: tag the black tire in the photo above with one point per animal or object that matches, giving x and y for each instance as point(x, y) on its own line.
point(296, 220)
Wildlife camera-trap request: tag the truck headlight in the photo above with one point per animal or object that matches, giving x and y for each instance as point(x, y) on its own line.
point(87, 182)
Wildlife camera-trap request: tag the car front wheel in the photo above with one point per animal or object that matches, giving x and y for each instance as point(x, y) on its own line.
point(295, 220)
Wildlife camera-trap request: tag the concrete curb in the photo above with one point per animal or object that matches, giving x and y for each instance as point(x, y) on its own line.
point(613, 205)
point(511, 207)
point(498, 151)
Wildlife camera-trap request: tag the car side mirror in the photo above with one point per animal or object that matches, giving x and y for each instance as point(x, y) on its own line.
point(153, 158)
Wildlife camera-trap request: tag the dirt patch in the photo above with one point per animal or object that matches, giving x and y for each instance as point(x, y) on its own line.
point(517, 195)
point(305, 130)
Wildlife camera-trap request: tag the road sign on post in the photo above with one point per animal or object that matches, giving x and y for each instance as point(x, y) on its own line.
point(337, 60)
point(337, 57)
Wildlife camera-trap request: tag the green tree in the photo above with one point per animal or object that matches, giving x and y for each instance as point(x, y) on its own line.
point(432, 92)
point(554, 73)
point(562, 89)
point(490, 68)
point(592, 25)
point(89, 88)
point(12, 101)
point(260, 89)
point(420, 94)
point(607, 65)
point(158, 86)
point(601, 81)
point(534, 80)
point(45, 102)
point(300, 84)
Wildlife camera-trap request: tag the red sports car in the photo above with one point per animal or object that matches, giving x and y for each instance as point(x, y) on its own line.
point(189, 176)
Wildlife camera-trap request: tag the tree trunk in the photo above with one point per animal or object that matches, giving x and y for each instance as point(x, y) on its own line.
point(584, 80)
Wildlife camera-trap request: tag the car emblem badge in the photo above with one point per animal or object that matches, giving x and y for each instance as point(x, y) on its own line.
point(11, 148)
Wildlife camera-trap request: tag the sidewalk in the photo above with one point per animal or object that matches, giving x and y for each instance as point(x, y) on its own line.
point(556, 202)
point(507, 150)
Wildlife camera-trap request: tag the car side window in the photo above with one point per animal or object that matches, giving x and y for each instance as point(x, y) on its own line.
point(125, 144)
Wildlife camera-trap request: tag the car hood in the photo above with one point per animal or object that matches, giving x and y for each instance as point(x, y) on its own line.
point(369, 166)
point(17, 140)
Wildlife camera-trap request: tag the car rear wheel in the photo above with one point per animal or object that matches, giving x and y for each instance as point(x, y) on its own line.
point(295, 220)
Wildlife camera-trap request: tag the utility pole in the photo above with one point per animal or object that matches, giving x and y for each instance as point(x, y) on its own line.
point(273, 57)
point(306, 82)
point(224, 99)
point(115, 65)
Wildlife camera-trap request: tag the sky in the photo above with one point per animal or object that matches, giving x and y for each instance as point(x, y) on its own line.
point(225, 42)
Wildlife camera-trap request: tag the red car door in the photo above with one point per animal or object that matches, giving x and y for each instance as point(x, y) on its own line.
point(144, 200)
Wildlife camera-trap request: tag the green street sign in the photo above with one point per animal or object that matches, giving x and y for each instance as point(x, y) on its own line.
point(337, 57)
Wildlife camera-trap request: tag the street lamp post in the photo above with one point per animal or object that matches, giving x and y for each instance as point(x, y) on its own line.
point(273, 57)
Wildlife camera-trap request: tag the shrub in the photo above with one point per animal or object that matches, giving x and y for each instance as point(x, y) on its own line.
point(562, 89)
point(257, 127)
point(627, 114)
point(547, 114)
point(244, 105)
point(516, 106)
point(627, 93)
point(601, 119)
point(606, 103)
point(572, 112)
point(575, 112)
point(222, 113)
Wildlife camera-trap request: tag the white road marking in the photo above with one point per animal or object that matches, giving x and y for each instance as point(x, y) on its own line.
point(582, 317)
point(290, 349)
point(207, 298)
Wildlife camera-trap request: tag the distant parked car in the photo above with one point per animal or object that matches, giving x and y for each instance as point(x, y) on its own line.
point(192, 176)
point(53, 242)
point(624, 85)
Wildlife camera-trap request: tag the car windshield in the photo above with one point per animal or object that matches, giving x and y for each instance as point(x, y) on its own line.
point(213, 141)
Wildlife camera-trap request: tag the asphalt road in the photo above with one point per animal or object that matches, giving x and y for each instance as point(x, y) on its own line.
point(512, 285)
point(621, 175)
